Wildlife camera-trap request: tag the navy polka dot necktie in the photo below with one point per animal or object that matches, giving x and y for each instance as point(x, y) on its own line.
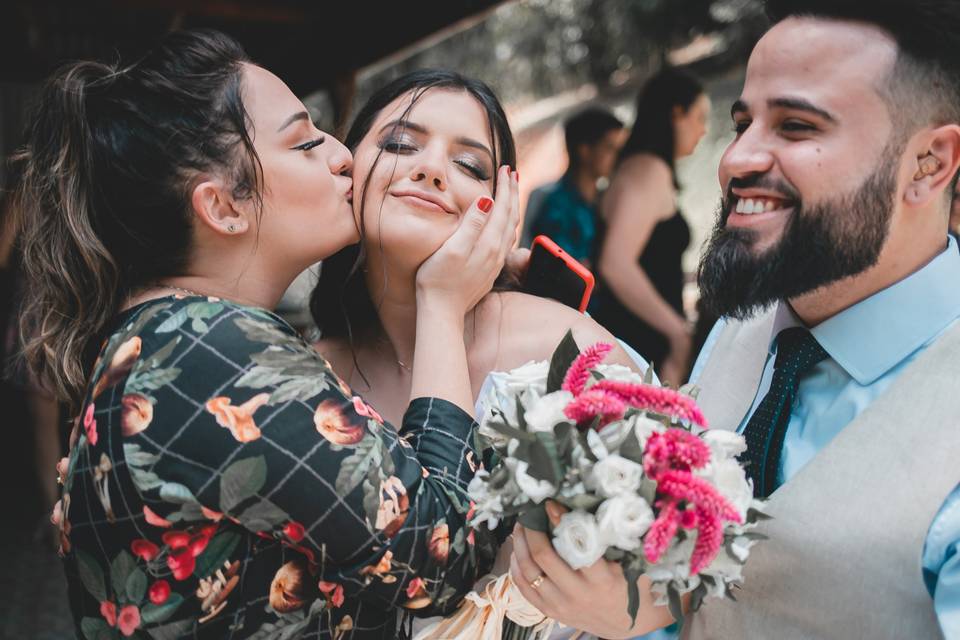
point(797, 352)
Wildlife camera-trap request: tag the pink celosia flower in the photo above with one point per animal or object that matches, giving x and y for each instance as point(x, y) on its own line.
point(683, 485)
point(579, 371)
point(661, 532)
point(591, 404)
point(674, 449)
point(709, 541)
point(657, 399)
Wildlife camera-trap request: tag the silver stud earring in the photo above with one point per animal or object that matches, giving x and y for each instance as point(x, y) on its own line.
point(232, 228)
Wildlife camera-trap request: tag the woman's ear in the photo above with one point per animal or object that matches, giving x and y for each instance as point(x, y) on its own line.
point(937, 161)
point(217, 209)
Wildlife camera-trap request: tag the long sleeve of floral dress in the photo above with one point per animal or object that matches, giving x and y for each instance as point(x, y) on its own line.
point(228, 485)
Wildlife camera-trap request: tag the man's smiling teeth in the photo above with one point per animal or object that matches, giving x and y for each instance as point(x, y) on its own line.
point(757, 205)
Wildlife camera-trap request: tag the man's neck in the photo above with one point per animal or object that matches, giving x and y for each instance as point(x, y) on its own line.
point(895, 264)
point(585, 183)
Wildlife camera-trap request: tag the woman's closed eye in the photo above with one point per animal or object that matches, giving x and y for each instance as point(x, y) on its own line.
point(398, 144)
point(306, 146)
point(474, 168)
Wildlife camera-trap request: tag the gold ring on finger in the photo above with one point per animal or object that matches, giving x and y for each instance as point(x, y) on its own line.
point(536, 582)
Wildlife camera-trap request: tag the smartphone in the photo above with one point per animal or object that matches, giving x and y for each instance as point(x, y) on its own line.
point(553, 273)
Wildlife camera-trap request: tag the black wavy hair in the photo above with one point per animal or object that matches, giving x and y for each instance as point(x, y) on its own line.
point(587, 127)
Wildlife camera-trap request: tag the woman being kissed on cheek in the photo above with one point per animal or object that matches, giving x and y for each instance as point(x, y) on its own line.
point(425, 147)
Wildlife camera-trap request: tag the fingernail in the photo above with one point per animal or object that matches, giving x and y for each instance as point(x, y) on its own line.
point(484, 204)
point(553, 512)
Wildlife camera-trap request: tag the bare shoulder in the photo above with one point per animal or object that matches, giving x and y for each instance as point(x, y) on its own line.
point(645, 167)
point(524, 327)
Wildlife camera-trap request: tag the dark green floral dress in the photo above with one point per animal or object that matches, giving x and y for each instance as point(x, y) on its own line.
point(227, 484)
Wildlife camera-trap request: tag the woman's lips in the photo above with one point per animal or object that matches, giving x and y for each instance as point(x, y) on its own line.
point(421, 202)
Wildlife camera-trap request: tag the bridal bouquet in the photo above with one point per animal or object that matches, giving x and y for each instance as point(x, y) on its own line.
point(646, 483)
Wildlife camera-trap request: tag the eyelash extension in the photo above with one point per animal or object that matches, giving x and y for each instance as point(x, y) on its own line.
point(306, 146)
point(477, 172)
point(392, 146)
point(399, 147)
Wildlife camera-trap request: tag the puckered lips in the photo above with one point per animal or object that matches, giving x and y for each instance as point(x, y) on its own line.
point(423, 200)
point(757, 207)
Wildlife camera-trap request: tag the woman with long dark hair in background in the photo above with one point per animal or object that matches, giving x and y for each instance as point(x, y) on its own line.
point(640, 297)
point(223, 481)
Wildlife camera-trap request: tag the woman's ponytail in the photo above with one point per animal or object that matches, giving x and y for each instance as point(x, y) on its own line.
point(75, 286)
point(103, 202)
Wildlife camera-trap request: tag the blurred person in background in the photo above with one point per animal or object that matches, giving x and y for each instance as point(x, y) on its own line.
point(566, 210)
point(641, 276)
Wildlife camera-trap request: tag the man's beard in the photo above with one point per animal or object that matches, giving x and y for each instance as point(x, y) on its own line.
point(820, 245)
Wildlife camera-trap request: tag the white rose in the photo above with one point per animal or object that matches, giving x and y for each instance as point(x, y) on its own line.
point(623, 520)
point(618, 372)
point(724, 444)
point(646, 427)
point(547, 411)
point(532, 376)
point(730, 480)
point(577, 539)
point(615, 475)
point(488, 505)
point(536, 490)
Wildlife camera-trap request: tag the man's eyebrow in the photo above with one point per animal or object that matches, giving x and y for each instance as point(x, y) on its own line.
point(300, 115)
point(419, 128)
point(798, 104)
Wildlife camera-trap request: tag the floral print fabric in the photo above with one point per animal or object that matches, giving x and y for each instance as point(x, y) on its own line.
point(226, 484)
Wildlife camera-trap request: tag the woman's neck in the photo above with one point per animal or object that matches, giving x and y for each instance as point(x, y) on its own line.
point(248, 284)
point(394, 296)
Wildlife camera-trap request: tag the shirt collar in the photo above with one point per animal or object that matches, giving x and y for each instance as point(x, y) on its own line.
point(874, 335)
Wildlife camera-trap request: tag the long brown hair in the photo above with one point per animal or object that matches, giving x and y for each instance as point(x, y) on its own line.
point(104, 200)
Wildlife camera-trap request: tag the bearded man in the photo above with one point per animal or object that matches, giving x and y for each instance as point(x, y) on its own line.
point(838, 350)
point(838, 354)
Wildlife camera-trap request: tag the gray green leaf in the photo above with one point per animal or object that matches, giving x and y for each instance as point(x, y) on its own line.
point(218, 551)
point(354, 467)
point(263, 516)
point(91, 575)
point(152, 613)
point(136, 586)
point(241, 480)
point(120, 569)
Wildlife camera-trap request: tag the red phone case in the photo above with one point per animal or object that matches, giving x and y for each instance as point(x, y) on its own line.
point(574, 265)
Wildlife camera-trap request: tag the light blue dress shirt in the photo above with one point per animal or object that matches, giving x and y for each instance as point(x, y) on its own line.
point(869, 345)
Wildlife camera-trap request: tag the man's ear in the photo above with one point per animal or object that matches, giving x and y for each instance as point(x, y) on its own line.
point(215, 207)
point(937, 161)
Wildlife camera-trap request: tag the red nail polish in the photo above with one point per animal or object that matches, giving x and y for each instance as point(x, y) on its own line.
point(485, 204)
